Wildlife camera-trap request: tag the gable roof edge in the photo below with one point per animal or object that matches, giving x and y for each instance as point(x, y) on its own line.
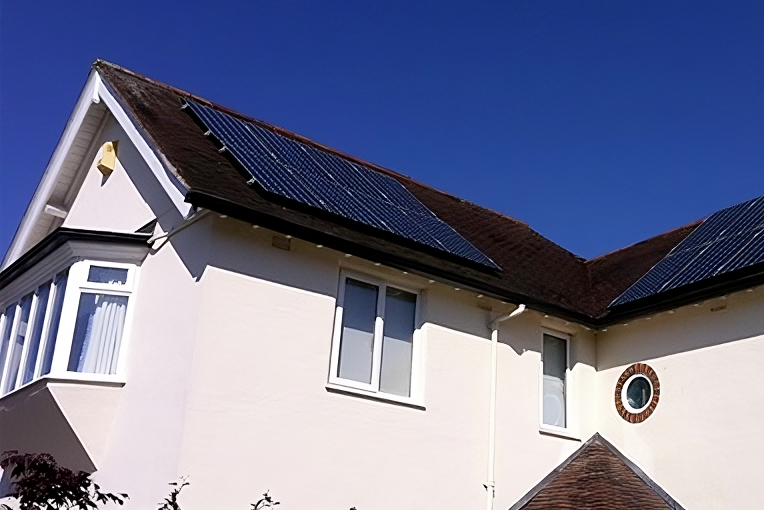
point(161, 168)
point(50, 176)
point(96, 90)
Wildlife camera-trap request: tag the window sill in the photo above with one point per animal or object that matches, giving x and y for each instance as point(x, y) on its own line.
point(380, 397)
point(558, 432)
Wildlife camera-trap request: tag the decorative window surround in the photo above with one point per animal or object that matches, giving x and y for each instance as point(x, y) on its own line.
point(637, 370)
point(375, 363)
point(66, 308)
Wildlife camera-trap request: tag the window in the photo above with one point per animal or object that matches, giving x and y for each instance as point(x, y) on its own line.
point(554, 361)
point(72, 323)
point(637, 393)
point(375, 337)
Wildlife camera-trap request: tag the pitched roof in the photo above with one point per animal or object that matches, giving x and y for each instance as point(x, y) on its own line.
point(597, 477)
point(535, 270)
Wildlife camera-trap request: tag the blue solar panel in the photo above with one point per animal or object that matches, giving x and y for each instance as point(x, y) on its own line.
point(319, 179)
point(726, 241)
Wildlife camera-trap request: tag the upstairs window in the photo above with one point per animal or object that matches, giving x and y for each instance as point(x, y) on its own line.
point(72, 323)
point(375, 336)
point(554, 361)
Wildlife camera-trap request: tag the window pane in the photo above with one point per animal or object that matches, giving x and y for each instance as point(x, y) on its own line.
point(357, 342)
point(34, 341)
point(10, 314)
point(555, 364)
point(59, 283)
point(17, 346)
point(112, 275)
point(395, 375)
point(98, 334)
point(638, 393)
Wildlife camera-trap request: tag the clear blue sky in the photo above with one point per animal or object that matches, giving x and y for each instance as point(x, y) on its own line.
point(599, 123)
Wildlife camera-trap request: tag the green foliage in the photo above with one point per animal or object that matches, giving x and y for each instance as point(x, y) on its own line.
point(39, 483)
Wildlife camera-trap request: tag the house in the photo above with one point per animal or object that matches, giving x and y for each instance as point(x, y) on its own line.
point(193, 292)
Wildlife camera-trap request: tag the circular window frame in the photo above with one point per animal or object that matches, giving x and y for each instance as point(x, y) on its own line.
point(625, 389)
point(627, 412)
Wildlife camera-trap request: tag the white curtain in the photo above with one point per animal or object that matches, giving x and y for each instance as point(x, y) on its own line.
point(103, 336)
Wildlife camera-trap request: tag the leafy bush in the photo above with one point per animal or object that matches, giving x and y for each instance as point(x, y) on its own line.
point(39, 483)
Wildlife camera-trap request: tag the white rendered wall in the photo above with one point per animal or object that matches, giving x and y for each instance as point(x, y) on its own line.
point(259, 415)
point(136, 439)
point(112, 203)
point(703, 442)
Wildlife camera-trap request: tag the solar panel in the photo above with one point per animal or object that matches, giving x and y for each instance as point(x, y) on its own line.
point(726, 241)
point(325, 181)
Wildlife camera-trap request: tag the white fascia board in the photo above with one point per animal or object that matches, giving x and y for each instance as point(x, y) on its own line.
point(93, 92)
point(172, 186)
point(41, 195)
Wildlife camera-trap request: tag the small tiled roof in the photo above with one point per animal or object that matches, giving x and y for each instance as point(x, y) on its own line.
point(535, 270)
point(597, 477)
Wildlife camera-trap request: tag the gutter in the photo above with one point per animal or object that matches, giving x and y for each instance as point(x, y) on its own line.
point(335, 241)
point(190, 220)
point(490, 485)
point(59, 237)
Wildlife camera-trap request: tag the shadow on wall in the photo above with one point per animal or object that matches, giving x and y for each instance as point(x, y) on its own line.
point(689, 329)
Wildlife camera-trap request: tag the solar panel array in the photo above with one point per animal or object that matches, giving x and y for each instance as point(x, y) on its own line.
point(325, 181)
point(728, 240)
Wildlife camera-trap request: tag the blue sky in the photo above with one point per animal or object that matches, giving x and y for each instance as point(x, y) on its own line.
point(599, 123)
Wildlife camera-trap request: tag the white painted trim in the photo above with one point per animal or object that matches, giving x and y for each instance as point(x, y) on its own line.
point(30, 331)
point(567, 430)
point(625, 387)
point(55, 211)
point(50, 176)
point(549, 430)
point(139, 141)
point(376, 395)
point(45, 329)
point(76, 284)
point(94, 92)
point(11, 340)
point(416, 391)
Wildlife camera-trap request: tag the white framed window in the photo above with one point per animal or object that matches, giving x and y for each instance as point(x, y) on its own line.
point(73, 324)
point(555, 383)
point(376, 342)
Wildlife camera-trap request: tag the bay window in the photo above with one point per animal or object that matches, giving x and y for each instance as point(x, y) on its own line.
point(73, 323)
point(375, 346)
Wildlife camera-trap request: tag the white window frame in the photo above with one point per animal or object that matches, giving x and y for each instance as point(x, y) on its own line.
point(568, 430)
point(625, 387)
point(76, 284)
point(372, 389)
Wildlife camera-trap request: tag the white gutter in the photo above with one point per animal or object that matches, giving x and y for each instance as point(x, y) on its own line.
point(494, 327)
point(180, 228)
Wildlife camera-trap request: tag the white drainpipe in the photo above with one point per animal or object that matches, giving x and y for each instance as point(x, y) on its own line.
point(494, 327)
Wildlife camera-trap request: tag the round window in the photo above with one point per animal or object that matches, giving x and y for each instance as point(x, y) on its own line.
point(637, 393)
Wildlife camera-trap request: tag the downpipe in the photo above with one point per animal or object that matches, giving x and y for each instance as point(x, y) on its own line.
point(493, 325)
